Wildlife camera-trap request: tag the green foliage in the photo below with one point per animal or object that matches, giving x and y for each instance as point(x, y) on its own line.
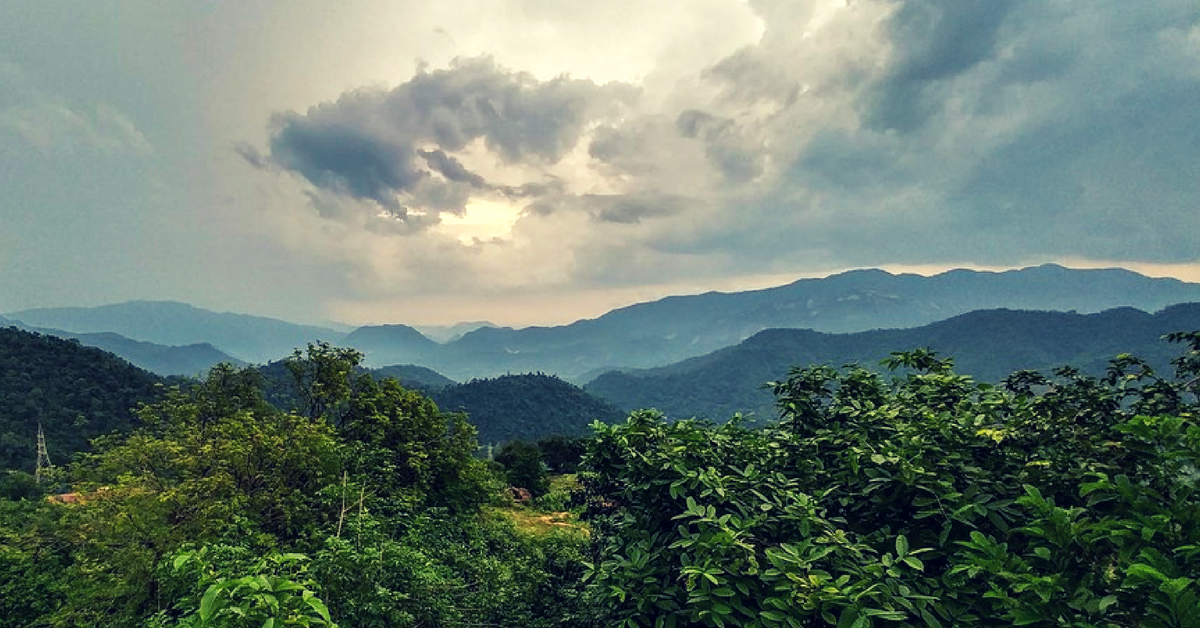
point(523, 467)
point(927, 500)
point(31, 582)
point(18, 485)
point(393, 492)
point(561, 453)
point(410, 452)
point(921, 499)
point(275, 591)
point(77, 393)
point(528, 407)
point(451, 570)
point(214, 463)
point(324, 377)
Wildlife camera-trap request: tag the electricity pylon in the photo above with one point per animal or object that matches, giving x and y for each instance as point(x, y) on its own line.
point(43, 456)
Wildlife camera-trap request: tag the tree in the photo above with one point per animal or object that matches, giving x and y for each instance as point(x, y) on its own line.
point(523, 467)
point(213, 462)
point(409, 452)
point(325, 378)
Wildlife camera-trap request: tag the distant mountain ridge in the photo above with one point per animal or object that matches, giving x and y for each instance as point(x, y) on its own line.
point(164, 360)
point(189, 361)
point(987, 344)
point(675, 328)
point(248, 338)
point(389, 344)
point(648, 334)
point(450, 333)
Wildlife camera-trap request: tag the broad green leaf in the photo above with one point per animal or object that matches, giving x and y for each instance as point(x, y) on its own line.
point(209, 603)
point(318, 606)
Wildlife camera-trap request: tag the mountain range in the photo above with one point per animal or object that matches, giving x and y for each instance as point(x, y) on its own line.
point(644, 335)
point(675, 328)
point(248, 338)
point(987, 344)
point(166, 360)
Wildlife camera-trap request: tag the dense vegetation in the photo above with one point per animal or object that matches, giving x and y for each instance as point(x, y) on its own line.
point(76, 393)
point(987, 345)
point(528, 406)
point(930, 500)
point(222, 507)
point(921, 499)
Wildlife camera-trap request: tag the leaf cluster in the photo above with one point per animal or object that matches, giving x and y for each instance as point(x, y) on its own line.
point(926, 499)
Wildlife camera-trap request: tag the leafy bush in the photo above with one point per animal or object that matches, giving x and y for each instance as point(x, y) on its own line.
point(926, 500)
point(523, 467)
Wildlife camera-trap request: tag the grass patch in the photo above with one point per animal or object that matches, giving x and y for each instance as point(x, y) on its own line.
point(540, 523)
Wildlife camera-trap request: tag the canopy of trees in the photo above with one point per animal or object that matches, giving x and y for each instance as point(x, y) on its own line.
point(918, 499)
point(529, 407)
point(221, 509)
point(928, 500)
point(77, 393)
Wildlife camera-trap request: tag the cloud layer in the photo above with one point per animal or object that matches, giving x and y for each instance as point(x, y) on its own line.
point(863, 133)
point(400, 149)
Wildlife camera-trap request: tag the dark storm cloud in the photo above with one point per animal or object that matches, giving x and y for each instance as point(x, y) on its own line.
point(996, 133)
point(450, 168)
point(396, 147)
point(731, 150)
point(934, 41)
point(334, 153)
point(624, 209)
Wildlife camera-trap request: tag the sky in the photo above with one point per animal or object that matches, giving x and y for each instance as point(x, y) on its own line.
point(533, 162)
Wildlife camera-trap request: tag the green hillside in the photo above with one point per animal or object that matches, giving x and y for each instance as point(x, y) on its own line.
point(527, 407)
point(987, 344)
point(75, 392)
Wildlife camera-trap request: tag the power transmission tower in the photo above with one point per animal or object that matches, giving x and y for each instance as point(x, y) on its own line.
point(43, 456)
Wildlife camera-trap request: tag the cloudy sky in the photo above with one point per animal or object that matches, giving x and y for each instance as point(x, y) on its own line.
point(538, 161)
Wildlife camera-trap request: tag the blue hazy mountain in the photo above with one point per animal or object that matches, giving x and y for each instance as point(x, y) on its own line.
point(247, 338)
point(675, 328)
point(450, 333)
point(987, 344)
point(166, 360)
point(391, 344)
point(647, 334)
point(413, 376)
point(188, 360)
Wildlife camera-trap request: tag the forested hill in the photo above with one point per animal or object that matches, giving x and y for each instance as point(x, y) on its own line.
point(413, 376)
point(527, 407)
point(987, 344)
point(189, 361)
point(76, 392)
